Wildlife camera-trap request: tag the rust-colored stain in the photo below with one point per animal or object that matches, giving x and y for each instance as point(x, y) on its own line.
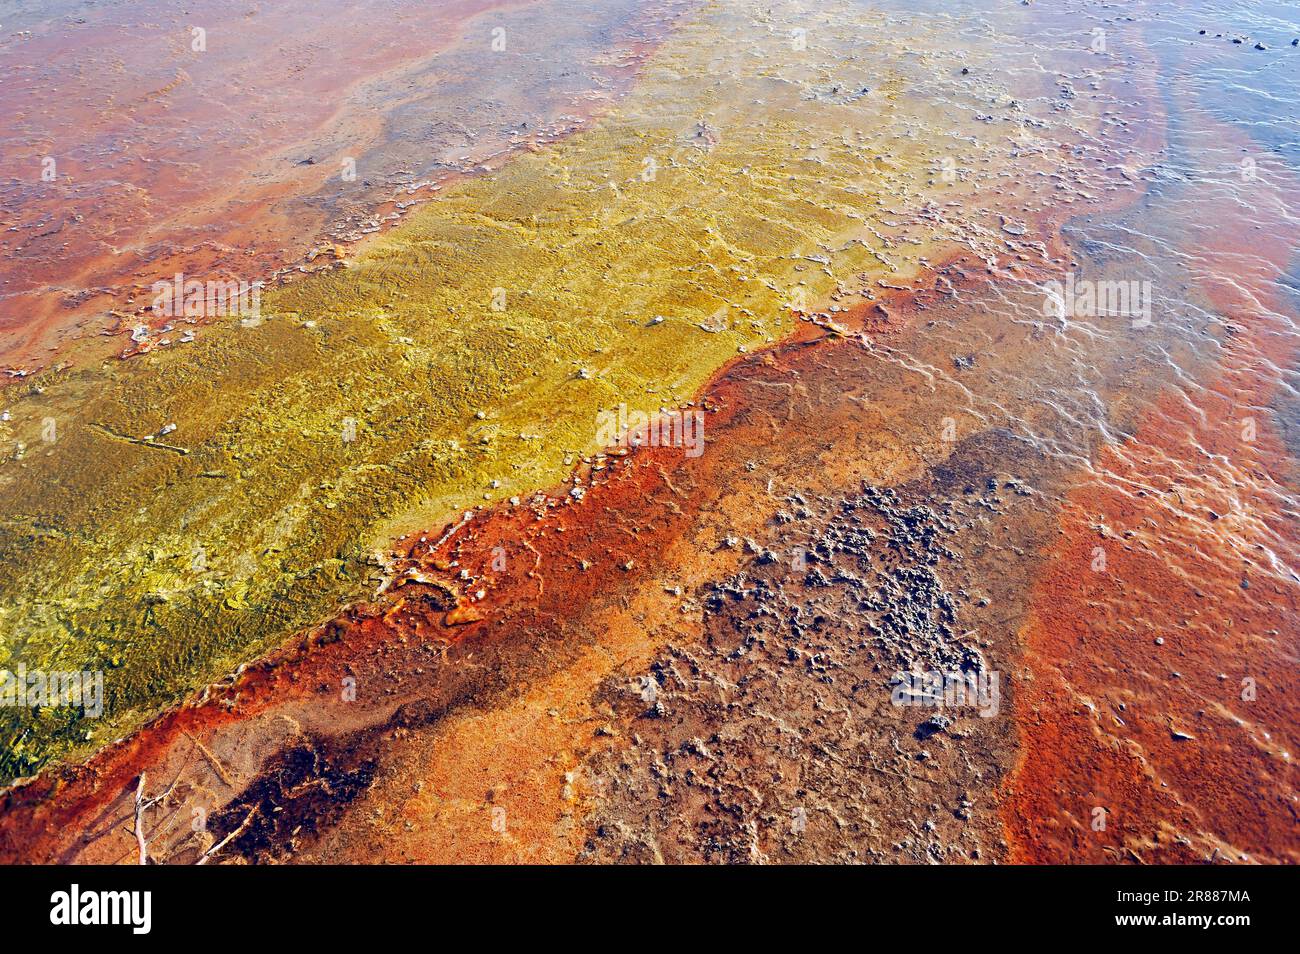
point(1159, 722)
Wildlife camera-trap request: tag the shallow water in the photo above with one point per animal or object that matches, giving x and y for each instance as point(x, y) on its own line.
point(140, 147)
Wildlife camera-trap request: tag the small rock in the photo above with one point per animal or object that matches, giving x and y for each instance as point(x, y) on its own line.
point(462, 615)
point(934, 724)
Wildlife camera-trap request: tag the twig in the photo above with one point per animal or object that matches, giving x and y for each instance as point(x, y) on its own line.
point(222, 843)
point(143, 441)
point(139, 821)
point(142, 805)
point(469, 515)
point(212, 760)
point(914, 778)
point(161, 796)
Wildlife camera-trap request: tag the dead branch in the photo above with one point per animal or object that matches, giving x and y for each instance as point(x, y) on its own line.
point(139, 821)
point(212, 760)
point(224, 841)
